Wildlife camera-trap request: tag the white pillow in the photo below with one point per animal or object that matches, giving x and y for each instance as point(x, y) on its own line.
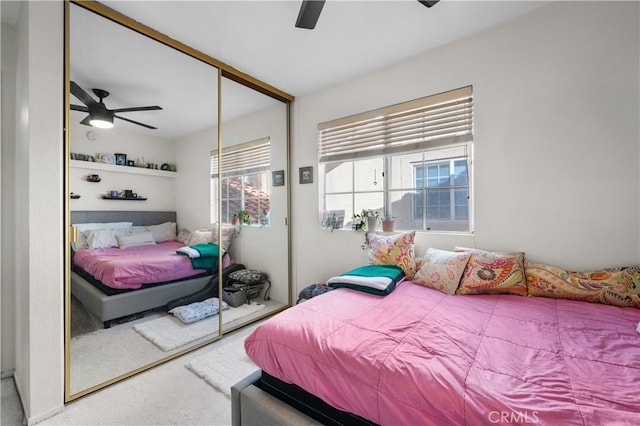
point(163, 232)
point(200, 236)
point(184, 236)
point(228, 232)
point(100, 238)
point(135, 240)
point(82, 227)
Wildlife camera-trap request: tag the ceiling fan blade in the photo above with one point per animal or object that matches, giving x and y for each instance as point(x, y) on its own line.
point(428, 3)
point(145, 108)
point(135, 122)
point(309, 13)
point(79, 108)
point(79, 93)
point(86, 120)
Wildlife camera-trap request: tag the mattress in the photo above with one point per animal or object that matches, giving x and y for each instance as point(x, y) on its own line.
point(418, 356)
point(133, 267)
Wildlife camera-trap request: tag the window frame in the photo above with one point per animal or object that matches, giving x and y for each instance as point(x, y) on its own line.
point(242, 161)
point(426, 125)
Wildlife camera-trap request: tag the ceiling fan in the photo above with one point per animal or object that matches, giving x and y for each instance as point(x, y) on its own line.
point(310, 12)
point(99, 115)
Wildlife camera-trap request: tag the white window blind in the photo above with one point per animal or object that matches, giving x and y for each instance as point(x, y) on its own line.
point(429, 122)
point(243, 159)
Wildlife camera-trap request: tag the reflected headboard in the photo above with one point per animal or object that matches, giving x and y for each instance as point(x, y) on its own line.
point(139, 218)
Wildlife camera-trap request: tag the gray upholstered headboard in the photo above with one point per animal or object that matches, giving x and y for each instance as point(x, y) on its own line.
point(139, 218)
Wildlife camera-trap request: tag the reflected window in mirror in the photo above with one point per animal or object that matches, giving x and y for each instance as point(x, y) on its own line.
point(244, 182)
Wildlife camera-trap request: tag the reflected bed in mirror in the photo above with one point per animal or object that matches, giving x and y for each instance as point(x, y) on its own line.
point(161, 317)
point(126, 59)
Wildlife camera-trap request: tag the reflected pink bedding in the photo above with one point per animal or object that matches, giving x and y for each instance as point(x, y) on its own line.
point(418, 356)
point(132, 267)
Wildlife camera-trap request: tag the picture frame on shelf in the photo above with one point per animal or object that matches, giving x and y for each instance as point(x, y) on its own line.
point(131, 163)
point(278, 178)
point(306, 174)
point(120, 159)
point(107, 158)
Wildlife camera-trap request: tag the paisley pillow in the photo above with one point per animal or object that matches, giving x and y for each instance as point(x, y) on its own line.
point(614, 286)
point(395, 250)
point(248, 276)
point(441, 270)
point(493, 272)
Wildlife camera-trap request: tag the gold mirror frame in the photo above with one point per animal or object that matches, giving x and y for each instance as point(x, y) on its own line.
point(224, 70)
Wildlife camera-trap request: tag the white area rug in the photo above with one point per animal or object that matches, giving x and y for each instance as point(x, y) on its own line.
point(169, 333)
point(223, 367)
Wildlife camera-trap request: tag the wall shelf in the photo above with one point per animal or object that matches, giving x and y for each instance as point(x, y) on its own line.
point(121, 169)
point(108, 197)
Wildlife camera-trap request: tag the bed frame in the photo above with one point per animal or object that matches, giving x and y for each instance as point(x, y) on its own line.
point(135, 302)
point(250, 405)
point(261, 399)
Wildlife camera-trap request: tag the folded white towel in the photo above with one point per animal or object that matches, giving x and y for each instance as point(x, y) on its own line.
point(191, 252)
point(638, 328)
point(378, 283)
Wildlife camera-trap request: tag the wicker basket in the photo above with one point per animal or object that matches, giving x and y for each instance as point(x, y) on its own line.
point(234, 298)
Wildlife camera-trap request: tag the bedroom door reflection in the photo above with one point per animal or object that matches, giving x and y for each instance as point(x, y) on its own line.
point(129, 185)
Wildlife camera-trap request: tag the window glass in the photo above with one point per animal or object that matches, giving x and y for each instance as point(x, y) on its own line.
point(426, 190)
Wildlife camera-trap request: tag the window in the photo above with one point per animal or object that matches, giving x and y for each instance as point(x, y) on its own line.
point(244, 181)
point(410, 161)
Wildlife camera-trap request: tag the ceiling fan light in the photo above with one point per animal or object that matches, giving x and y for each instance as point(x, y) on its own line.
point(101, 121)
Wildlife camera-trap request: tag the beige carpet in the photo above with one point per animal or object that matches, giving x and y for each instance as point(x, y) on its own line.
point(165, 395)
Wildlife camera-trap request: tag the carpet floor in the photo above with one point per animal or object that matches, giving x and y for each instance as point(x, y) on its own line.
point(165, 395)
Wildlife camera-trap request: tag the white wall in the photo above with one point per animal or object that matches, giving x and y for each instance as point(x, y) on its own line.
point(7, 170)
point(160, 189)
point(39, 368)
point(556, 139)
point(193, 193)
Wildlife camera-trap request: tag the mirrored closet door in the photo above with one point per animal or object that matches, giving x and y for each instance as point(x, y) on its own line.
point(151, 125)
point(253, 191)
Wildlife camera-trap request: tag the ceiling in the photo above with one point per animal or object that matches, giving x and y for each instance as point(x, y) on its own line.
point(259, 38)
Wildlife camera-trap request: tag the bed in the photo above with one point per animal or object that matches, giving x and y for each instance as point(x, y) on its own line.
point(421, 356)
point(128, 299)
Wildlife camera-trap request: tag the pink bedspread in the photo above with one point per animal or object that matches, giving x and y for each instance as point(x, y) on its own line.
point(421, 357)
point(135, 266)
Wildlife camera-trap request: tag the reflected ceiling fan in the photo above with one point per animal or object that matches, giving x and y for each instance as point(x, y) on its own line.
point(310, 12)
point(99, 115)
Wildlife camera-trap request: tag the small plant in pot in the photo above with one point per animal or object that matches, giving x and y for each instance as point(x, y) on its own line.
point(388, 224)
point(366, 221)
point(243, 217)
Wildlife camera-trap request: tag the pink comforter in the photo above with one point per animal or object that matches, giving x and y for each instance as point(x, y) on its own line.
point(421, 357)
point(135, 266)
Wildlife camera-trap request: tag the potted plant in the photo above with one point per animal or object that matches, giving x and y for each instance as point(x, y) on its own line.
point(243, 217)
point(388, 224)
point(366, 221)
